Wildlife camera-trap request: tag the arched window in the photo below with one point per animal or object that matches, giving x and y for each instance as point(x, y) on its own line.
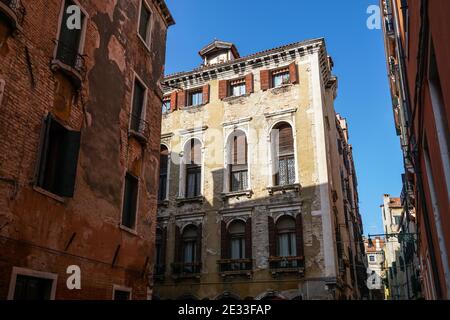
point(238, 164)
point(193, 151)
point(236, 232)
point(286, 237)
point(163, 171)
point(283, 154)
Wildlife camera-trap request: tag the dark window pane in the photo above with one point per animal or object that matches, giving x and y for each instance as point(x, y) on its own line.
point(144, 22)
point(69, 40)
point(32, 288)
point(130, 201)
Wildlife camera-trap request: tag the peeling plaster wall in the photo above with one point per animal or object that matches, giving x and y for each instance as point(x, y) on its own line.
point(101, 109)
point(304, 107)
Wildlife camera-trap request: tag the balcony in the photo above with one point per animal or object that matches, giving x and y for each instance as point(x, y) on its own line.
point(13, 12)
point(70, 62)
point(139, 129)
point(183, 270)
point(228, 267)
point(287, 265)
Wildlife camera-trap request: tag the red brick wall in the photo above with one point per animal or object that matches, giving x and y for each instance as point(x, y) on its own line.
point(100, 110)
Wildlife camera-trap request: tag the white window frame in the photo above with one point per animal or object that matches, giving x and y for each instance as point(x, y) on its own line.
point(144, 106)
point(183, 177)
point(168, 169)
point(31, 273)
point(117, 287)
point(83, 27)
point(228, 159)
point(147, 42)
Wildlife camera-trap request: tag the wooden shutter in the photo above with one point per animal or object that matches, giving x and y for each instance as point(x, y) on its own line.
point(69, 163)
point(224, 241)
point(42, 151)
point(286, 139)
point(223, 89)
point(181, 99)
point(249, 83)
point(173, 101)
point(199, 242)
point(205, 91)
point(248, 238)
point(299, 234)
point(163, 245)
point(178, 248)
point(265, 79)
point(130, 201)
point(272, 237)
point(293, 74)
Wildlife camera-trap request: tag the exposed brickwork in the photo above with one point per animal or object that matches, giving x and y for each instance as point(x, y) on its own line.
point(35, 227)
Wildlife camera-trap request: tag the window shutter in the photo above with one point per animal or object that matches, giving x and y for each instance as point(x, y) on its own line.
point(178, 248)
point(223, 89)
point(173, 101)
point(130, 201)
point(199, 243)
point(206, 94)
point(272, 237)
point(293, 74)
point(69, 40)
point(265, 79)
point(224, 240)
point(249, 83)
point(70, 163)
point(163, 245)
point(299, 234)
point(181, 99)
point(248, 238)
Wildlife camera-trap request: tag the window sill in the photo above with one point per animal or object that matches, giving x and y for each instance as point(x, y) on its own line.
point(237, 194)
point(193, 108)
point(163, 203)
point(138, 136)
point(181, 276)
point(129, 230)
point(232, 99)
point(283, 189)
point(49, 194)
point(182, 201)
point(281, 89)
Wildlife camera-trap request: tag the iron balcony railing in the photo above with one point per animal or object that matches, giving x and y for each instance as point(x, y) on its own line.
point(286, 263)
point(70, 57)
point(235, 265)
point(185, 268)
point(17, 8)
point(139, 127)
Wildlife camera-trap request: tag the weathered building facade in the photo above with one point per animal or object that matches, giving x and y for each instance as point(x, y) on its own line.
point(416, 34)
point(375, 253)
point(80, 119)
point(257, 196)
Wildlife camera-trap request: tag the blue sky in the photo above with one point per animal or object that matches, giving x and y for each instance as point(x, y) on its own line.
point(358, 54)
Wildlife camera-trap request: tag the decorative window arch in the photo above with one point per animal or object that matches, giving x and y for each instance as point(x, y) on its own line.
point(188, 247)
point(236, 245)
point(237, 161)
point(283, 154)
point(163, 173)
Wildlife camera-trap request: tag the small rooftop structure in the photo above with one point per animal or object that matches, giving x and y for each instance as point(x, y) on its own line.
point(218, 52)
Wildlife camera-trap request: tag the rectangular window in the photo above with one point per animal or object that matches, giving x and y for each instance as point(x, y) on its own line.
point(145, 23)
point(237, 88)
point(58, 161)
point(130, 201)
point(286, 173)
point(238, 248)
point(397, 220)
point(287, 245)
point(195, 98)
point(68, 50)
point(32, 288)
point(166, 106)
point(280, 77)
point(372, 258)
point(138, 108)
point(193, 181)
